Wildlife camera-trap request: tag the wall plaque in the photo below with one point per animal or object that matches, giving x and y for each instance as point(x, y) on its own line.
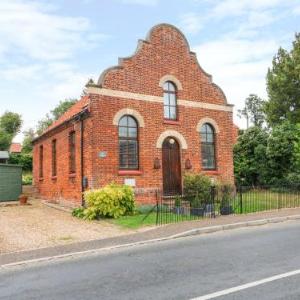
point(102, 154)
point(129, 181)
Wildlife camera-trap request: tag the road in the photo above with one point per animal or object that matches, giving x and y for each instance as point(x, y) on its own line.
point(184, 268)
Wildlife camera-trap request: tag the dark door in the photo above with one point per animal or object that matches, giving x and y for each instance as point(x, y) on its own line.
point(171, 167)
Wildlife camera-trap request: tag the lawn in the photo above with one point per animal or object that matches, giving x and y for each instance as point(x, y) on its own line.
point(261, 200)
point(137, 221)
point(149, 219)
point(252, 201)
point(140, 220)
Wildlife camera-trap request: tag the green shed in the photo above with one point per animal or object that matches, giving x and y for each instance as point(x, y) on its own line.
point(10, 182)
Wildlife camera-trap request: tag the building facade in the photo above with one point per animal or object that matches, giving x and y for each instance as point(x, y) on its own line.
point(146, 122)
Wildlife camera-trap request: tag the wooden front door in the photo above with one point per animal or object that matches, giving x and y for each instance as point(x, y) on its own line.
point(171, 167)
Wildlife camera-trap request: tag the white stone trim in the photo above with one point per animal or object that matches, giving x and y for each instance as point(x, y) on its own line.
point(172, 133)
point(209, 121)
point(157, 99)
point(170, 78)
point(204, 105)
point(129, 111)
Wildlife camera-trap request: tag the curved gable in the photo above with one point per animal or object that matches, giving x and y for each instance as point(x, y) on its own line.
point(165, 51)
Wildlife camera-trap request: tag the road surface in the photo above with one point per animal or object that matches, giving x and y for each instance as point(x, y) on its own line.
point(251, 263)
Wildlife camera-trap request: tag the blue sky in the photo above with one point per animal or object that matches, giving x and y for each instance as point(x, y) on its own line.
point(49, 49)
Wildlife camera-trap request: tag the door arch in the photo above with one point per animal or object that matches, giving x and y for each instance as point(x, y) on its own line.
point(171, 167)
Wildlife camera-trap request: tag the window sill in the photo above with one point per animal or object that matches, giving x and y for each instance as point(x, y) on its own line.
point(211, 172)
point(171, 122)
point(72, 175)
point(129, 172)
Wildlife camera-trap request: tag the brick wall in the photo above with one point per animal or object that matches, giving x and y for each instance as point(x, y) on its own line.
point(106, 139)
point(165, 52)
point(64, 188)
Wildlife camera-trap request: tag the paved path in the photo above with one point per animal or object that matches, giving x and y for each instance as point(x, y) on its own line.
point(157, 233)
point(183, 268)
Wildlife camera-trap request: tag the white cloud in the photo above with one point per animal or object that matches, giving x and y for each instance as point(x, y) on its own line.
point(40, 87)
point(18, 73)
point(141, 2)
point(239, 59)
point(239, 7)
point(238, 66)
point(296, 10)
point(228, 50)
point(192, 22)
point(34, 30)
point(251, 14)
point(37, 56)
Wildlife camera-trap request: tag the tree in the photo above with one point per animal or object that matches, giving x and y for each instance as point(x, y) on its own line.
point(21, 159)
point(297, 150)
point(282, 151)
point(54, 115)
point(283, 86)
point(5, 140)
point(250, 166)
point(62, 107)
point(253, 110)
point(10, 125)
point(29, 135)
point(43, 124)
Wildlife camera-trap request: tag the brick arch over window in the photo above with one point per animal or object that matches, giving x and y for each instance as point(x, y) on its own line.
point(129, 111)
point(172, 79)
point(173, 133)
point(210, 121)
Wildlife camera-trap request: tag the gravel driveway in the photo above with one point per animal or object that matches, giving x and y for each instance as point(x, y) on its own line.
point(37, 225)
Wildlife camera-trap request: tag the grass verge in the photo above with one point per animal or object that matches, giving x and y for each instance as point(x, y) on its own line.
point(136, 221)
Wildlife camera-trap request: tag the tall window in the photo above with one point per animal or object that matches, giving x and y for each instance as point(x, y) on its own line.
point(72, 152)
point(208, 147)
point(170, 102)
point(54, 169)
point(128, 143)
point(41, 161)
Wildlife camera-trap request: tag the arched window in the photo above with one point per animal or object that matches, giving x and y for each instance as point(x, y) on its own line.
point(128, 143)
point(207, 134)
point(170, 101)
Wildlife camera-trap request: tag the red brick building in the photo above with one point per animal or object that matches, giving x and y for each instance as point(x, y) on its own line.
point(147, 122)
point(15, 148)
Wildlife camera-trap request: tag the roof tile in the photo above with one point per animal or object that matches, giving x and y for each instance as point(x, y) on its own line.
point(70, 113)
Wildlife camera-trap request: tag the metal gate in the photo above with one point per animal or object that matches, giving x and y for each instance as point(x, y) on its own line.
point(10, 182)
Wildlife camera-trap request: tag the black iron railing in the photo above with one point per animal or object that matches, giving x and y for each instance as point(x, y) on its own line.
point(224, 201)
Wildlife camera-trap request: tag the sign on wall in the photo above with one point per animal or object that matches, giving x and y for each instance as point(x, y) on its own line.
point(129, 181)
point(102, 154)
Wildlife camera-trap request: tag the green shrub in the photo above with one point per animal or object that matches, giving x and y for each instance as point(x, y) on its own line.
point(144, 209)
point(197, 189)
point(177, 201)
point(78, 212)
point(292, 180)
point(226, 191)
point(27, 179)
point(111, 201)
point(22, 159)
